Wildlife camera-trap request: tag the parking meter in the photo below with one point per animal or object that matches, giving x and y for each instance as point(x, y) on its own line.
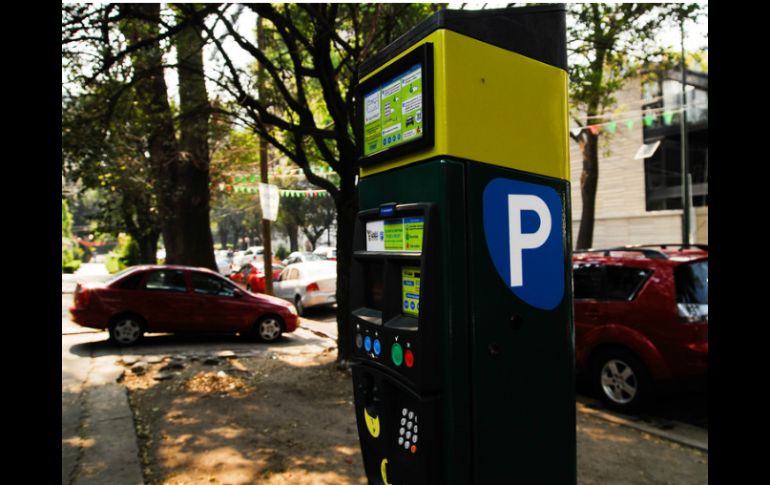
point(461, 300)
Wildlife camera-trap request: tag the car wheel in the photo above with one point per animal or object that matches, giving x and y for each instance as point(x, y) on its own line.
point(126, 330)
point(622, 381)
point(298, 306)
point(269, 328)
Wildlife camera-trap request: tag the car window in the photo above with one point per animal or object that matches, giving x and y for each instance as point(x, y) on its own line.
point(166, 280)
point(588, 281)
point(692, 282)
point(623, 283)
point(210, 285)
point(131, 282)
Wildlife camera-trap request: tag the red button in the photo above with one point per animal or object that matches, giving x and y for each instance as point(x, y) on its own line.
point(409, 358)
point(413, 449)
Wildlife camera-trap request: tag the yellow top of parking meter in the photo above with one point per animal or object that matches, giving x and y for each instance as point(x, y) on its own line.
point(492, 105)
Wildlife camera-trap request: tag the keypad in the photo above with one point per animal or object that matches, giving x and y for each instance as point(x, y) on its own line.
point(407, 433)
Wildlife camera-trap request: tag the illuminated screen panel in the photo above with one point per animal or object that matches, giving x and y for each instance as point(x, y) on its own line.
point(410, 290)
point(400, 234)
point(393, 112)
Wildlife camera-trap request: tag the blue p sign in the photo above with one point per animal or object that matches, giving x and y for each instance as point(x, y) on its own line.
point(523, 228)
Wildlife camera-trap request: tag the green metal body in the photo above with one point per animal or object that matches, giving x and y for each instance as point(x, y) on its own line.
point(507, 379)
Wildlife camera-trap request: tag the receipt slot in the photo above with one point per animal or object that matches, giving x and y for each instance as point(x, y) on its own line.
point(461, 302)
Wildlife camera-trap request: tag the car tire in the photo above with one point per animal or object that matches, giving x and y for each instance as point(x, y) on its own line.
point(298, 305)
point(269, 328)
point(126, 330)
point(621, 380)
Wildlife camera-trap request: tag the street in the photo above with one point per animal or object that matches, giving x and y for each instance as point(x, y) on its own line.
point(99, 441)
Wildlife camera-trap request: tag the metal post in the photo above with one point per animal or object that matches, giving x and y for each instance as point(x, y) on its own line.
point(685, 167)
point(267, 255)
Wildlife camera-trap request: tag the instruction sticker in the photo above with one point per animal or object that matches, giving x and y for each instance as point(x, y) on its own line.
point(394, 235)
point(413, 230)
point(393, 112)
point(375, 236)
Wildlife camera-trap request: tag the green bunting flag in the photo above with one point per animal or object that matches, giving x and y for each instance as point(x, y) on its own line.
point(648, 119)
point(667, 117)
point(630, 124)
point(612, 126)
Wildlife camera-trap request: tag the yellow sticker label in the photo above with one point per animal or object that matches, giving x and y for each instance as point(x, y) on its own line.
point(372, 424)
point(384, 471)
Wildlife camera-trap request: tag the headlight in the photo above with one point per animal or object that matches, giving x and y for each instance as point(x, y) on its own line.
point(292, 310)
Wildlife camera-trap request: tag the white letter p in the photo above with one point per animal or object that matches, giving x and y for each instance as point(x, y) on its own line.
point(519, 241)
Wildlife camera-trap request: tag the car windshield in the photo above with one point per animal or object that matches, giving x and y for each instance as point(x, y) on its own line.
point(313, 257)
point(692, 282)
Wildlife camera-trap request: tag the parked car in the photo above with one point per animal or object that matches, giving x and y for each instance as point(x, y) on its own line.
point(242, 257)
point(326, 252)
point(224, 260)
point(301, 257)
point(252, 275)
point(308, 284)
point(161, 298)
point(641, 320)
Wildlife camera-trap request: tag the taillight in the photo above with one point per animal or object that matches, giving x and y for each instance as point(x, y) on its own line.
point(312, 287)
point(693, 312)
point(82, 296)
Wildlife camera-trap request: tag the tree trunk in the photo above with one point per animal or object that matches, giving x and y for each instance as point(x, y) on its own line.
point(588, 182)
point(148, 246)
point(292, 230)
point(347, 208)
point(142, 23)
point(193, 222)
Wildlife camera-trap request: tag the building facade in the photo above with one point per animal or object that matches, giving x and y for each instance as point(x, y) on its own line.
point(638, 201)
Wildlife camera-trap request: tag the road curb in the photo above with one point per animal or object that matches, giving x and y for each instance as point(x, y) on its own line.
point(682, 440)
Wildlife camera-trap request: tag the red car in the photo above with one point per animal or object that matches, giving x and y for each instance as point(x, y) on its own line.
point(252, 276)
point(641, 319)
point(156, 298)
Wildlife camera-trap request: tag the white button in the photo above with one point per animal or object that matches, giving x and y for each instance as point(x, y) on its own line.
point(409, 425)
point(406, 445)
point(408, 434)
point(415, 428)
point(400, 440)
point(414, 439)
point(415, 418)
point(403, 412)
point(401, 431)
point(403, 421)
point(411, 414)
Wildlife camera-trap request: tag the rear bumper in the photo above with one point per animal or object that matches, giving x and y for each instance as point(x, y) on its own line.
point(319, 298)
point(86, 318)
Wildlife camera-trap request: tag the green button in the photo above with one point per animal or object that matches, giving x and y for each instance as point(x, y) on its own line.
point(397, 354)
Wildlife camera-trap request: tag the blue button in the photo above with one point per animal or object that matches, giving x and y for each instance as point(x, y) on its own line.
point(383, 141)
point(412, 305)
point(406, 304)
point(399, 136)
point(368, 343)
point(377, 347)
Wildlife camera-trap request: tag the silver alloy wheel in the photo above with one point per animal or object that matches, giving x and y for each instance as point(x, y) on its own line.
point(127, 331)
point(619, 382)
point(269, 329)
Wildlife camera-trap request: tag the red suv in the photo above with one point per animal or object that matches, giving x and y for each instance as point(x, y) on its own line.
point(641, 319)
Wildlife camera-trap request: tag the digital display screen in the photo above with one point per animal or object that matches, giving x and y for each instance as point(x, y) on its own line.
point(410, 291)
point(393, 112)
point(399, 234)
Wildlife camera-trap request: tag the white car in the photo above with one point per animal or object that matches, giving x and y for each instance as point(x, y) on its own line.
point(326, 252)
point(301, 257)
point(243, 257)
point(308, 284)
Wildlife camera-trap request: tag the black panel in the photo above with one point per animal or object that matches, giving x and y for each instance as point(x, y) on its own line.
point(537, 32)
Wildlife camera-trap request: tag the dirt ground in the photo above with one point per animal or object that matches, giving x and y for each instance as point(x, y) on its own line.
point(289, 419)
point(284, 419)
